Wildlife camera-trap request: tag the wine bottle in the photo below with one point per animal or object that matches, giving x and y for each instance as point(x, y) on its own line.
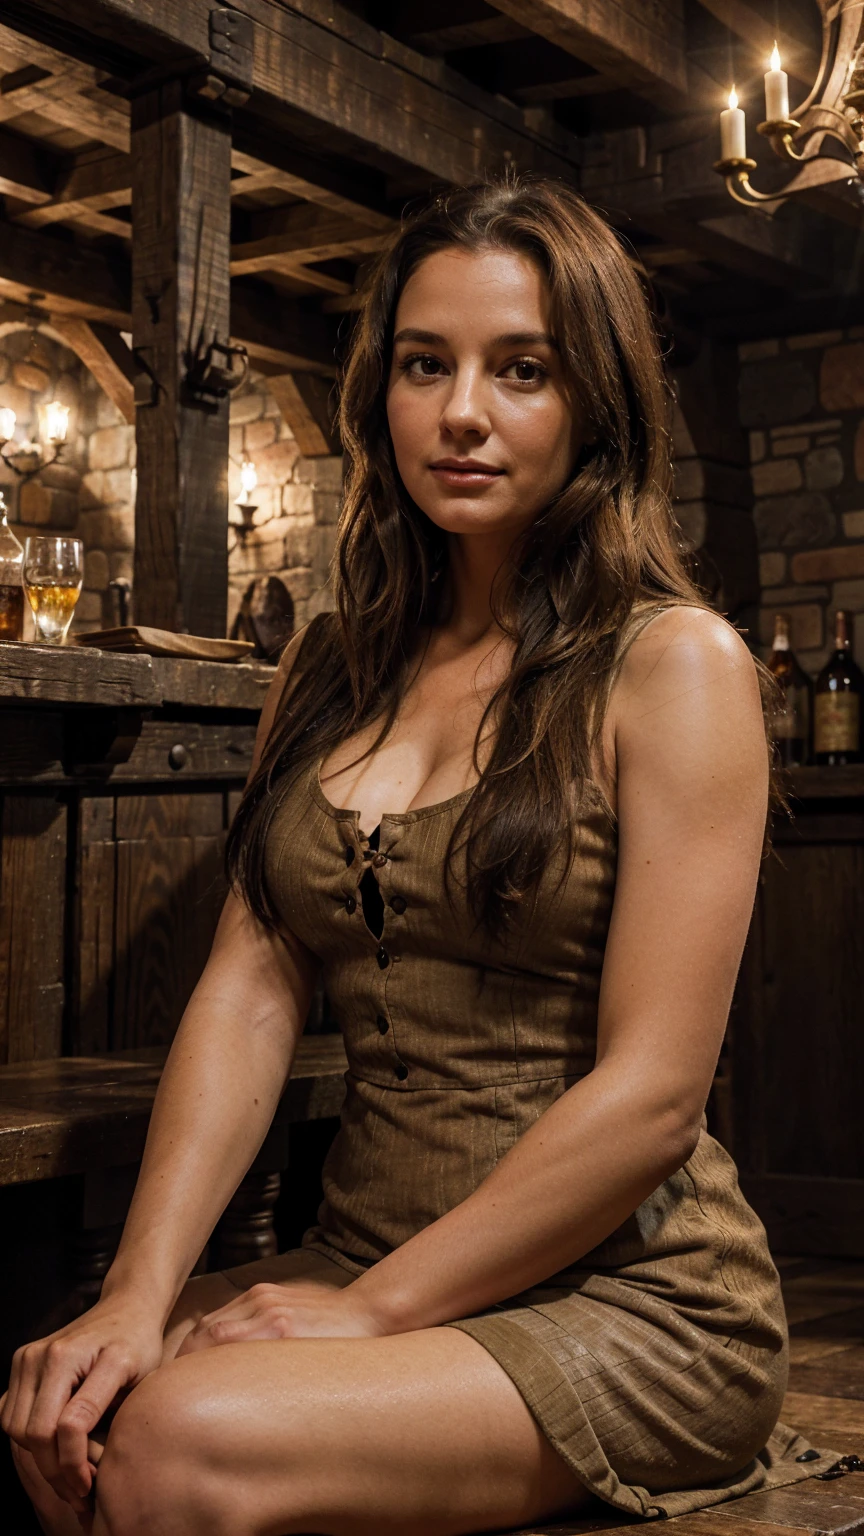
point(838, 709)
point(11, 588)
point(791, 726)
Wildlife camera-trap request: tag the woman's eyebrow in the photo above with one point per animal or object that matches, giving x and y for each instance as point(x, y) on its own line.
point(509, 339)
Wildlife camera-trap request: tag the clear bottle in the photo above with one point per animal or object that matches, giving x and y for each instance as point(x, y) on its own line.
point(11, 580)
point(838, 705)
point(791, 727)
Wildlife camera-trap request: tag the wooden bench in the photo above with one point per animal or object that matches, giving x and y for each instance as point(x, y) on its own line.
point(89, 1115)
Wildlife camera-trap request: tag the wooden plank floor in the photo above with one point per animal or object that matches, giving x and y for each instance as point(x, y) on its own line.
point(825, 1402)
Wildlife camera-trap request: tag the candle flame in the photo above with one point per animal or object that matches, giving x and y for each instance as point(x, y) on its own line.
point(775, 58)
point(733, 97)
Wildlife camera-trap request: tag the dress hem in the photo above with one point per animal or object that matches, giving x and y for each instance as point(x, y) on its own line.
point(561, 1416)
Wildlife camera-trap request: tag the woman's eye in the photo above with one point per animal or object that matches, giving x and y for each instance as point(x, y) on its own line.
point(423, 366)
point(524, 371)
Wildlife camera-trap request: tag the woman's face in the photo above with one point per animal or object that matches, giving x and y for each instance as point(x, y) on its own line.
point(483, 425)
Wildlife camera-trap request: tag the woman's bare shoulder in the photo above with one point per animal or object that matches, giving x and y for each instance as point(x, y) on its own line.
point(683, 647)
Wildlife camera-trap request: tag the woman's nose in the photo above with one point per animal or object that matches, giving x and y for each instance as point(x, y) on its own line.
point(467, 407)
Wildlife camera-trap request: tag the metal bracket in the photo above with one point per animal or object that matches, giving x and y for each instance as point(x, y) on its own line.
point(210, 373)
point(229, 78)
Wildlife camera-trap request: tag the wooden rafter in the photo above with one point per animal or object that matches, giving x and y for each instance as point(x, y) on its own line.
point(306, 403)
point(640, 42)
point(758, 29)
point(289, 238)
point(91, 184)
point(105, 353)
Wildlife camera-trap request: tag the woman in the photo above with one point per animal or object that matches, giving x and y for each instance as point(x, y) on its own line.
point(533, 1278)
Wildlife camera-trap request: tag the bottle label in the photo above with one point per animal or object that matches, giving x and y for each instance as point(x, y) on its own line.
point(837, 724)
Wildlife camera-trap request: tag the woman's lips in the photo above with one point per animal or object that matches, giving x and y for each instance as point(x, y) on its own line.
point(468, 474)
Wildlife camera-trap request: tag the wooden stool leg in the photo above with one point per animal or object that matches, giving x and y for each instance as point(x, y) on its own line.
point(246, 1231)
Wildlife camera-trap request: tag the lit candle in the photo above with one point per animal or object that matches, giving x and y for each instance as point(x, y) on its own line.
point(733, 140)
point(55, 421)
point(7, 424)
point(248, 480)
point(776, 91)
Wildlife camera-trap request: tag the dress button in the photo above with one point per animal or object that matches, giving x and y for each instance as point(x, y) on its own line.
point(398, 903)
point(379, 860)
point(383, 1026)
point(382, 957)
point(401, 1071)
point(350, 905)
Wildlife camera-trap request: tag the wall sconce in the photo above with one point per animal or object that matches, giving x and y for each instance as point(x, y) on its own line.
point(27, 459)
point(248, 482)
point(833, 112)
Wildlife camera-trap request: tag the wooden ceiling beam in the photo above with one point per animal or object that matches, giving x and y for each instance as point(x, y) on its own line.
point(756, 29)
point(24, 172)
point(58, 99)
point(87, 284)
point(335, 73)
point(640, 45)
point(306, 403)
point(105, 353)
point(284, 239)
point(92, 183)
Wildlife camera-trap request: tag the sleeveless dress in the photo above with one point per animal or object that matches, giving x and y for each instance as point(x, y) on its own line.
point(657, 1364)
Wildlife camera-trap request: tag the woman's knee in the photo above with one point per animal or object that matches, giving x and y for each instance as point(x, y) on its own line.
point(159, 1470)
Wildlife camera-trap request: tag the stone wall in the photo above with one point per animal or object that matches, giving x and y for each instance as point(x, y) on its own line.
point(297, 503)
point(87, 494)
point(90, 495)
point(802, 401)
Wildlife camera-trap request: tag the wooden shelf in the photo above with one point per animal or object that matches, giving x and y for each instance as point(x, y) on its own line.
point(45, 674)
point(842, 783)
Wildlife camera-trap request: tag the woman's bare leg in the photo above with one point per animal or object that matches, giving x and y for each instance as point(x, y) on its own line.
point(419, 1433)
point(206, 1293)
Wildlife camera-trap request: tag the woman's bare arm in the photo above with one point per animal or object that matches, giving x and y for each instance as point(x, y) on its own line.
point(225, 1073)
point(692, 788)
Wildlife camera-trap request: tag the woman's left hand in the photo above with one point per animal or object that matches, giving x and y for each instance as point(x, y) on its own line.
point(296, 1311)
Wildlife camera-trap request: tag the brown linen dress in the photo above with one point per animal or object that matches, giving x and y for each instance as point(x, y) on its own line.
point(656, 1365)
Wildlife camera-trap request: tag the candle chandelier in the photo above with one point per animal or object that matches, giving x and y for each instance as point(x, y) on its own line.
point(26, 456)
point(823, 139)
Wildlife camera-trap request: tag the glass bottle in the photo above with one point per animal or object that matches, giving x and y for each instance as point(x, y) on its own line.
point(838, 711)
point(791, 727)
point(11, 580)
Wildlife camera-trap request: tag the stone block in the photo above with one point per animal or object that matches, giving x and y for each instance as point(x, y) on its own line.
point(298, 500)
point(775, 476)
point(247, 407)
point(21, 402)
point(806, 426)
point(789, 522)
point(34, 503)
point(108, 528)
point(782, 389)
point(117, 485)
point(235, 441)
point(757, 446)
point(823, 468)
point(109, 447)
point(853, 525)
point(829, 564)
point(692, 519)
point(4, 368)
point(88, 608)
point(327, 506)
point(121, 564)
point(805, 623)
point(784, 445)
point(683, 446)
point(61, 477)
point(841, 378)
point(754, 351)
point(92, 489)
point(849, 595)
point(30, 376)
point(325, 473)
point(96, 569)
point(858, 451)
point(107, 414)
point(814, 339)
point(772, 569)
point(258, 435)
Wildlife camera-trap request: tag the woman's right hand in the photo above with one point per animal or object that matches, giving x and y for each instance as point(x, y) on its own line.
point(61, 1386)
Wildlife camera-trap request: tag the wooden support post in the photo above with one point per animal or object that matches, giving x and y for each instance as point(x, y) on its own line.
point(181, 175)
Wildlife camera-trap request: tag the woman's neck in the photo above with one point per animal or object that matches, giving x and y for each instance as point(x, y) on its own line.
point(475, 564)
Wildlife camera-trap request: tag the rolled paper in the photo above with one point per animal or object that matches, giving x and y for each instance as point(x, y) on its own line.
point(733, 130)
point(776, 91)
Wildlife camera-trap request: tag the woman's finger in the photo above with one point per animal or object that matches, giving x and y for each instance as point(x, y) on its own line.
point(23, 1384)
point(82, 1413)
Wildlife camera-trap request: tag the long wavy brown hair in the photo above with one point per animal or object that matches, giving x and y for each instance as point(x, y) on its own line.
point(605, 548)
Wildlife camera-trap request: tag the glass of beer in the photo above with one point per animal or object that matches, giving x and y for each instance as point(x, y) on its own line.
point(53, 573)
